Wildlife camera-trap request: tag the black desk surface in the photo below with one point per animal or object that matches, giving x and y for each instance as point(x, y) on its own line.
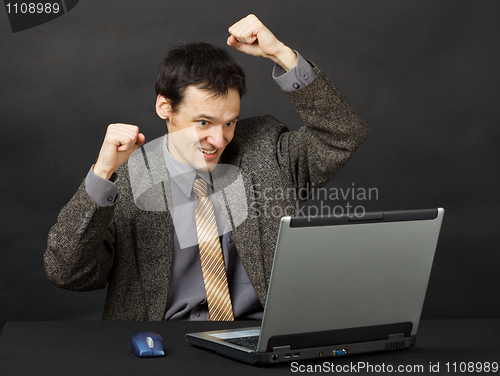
point(101, 348)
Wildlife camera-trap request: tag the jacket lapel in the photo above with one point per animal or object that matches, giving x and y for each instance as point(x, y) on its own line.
point(152, 194)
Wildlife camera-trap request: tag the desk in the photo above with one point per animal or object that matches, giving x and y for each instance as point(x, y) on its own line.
point(94, 348)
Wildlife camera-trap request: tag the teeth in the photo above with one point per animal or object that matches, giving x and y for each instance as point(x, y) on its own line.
point(208, 151)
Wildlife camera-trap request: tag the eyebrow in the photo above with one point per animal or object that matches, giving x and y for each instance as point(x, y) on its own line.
point(211, 118)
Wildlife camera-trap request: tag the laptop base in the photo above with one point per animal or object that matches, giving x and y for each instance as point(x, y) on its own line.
point(285, 354)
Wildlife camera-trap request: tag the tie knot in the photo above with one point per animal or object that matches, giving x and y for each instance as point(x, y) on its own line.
point(200, 188)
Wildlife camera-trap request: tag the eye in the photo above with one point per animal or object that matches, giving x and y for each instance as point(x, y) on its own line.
point(229, 123)
point(203, 123)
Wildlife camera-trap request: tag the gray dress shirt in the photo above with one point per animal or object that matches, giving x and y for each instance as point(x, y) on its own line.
point(186, 297)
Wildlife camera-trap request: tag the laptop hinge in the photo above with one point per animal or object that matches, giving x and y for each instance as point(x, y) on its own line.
point(281, 348)
point(396, 336)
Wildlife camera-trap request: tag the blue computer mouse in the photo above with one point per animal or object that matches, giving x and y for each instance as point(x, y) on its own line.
point(146, 345)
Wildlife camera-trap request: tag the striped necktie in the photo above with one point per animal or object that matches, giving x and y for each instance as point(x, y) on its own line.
point(212, 260)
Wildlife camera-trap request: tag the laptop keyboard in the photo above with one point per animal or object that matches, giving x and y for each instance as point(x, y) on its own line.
point(248, 342)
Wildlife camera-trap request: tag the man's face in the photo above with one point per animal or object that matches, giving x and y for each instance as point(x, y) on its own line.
point(202, 126)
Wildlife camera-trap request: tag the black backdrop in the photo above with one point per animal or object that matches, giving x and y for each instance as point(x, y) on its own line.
point(424, 74)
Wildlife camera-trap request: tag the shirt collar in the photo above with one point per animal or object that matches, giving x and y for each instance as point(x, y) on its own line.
point(182, 174)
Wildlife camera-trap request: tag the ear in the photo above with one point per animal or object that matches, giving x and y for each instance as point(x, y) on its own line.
point(163, 107)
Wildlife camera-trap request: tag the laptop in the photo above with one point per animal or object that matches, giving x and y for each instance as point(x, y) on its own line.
point(339, 286)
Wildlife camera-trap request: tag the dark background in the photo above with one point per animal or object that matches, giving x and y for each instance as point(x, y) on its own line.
point(424, 74)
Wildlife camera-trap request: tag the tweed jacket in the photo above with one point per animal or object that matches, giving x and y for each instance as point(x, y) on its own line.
point(128, 246)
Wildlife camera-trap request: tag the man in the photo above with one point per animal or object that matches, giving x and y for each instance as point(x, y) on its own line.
point(139, 223)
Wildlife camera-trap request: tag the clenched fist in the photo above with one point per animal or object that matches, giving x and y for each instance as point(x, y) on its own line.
point(120, 142)
point(249, 35)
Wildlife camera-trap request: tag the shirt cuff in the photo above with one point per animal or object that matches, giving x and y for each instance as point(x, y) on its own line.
point(102, 191)
point(295, 78)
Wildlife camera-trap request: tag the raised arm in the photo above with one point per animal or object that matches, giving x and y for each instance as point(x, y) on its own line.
point(80, 246)
point(332, 129)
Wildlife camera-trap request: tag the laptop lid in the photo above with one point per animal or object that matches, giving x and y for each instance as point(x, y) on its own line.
point(334, 275)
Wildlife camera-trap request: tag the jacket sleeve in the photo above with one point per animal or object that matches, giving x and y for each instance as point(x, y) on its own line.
point(80, 246)
point(332, 132)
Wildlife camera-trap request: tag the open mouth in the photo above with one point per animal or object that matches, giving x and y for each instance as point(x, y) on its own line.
point(208, 152)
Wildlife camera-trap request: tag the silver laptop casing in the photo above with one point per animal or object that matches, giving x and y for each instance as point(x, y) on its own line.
point(332, 277)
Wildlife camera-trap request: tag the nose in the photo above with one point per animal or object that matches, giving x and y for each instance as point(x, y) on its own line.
point(216, 137)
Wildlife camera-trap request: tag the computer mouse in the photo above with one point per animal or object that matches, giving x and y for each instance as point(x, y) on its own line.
point(147, 345)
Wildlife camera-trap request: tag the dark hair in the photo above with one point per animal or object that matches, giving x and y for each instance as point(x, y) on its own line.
point(200, 64)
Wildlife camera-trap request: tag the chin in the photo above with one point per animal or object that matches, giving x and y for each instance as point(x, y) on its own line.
point(208, 167)
point(204, 167)
point(212, 167)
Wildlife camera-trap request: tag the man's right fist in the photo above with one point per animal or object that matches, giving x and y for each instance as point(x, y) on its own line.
point(120, 142)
